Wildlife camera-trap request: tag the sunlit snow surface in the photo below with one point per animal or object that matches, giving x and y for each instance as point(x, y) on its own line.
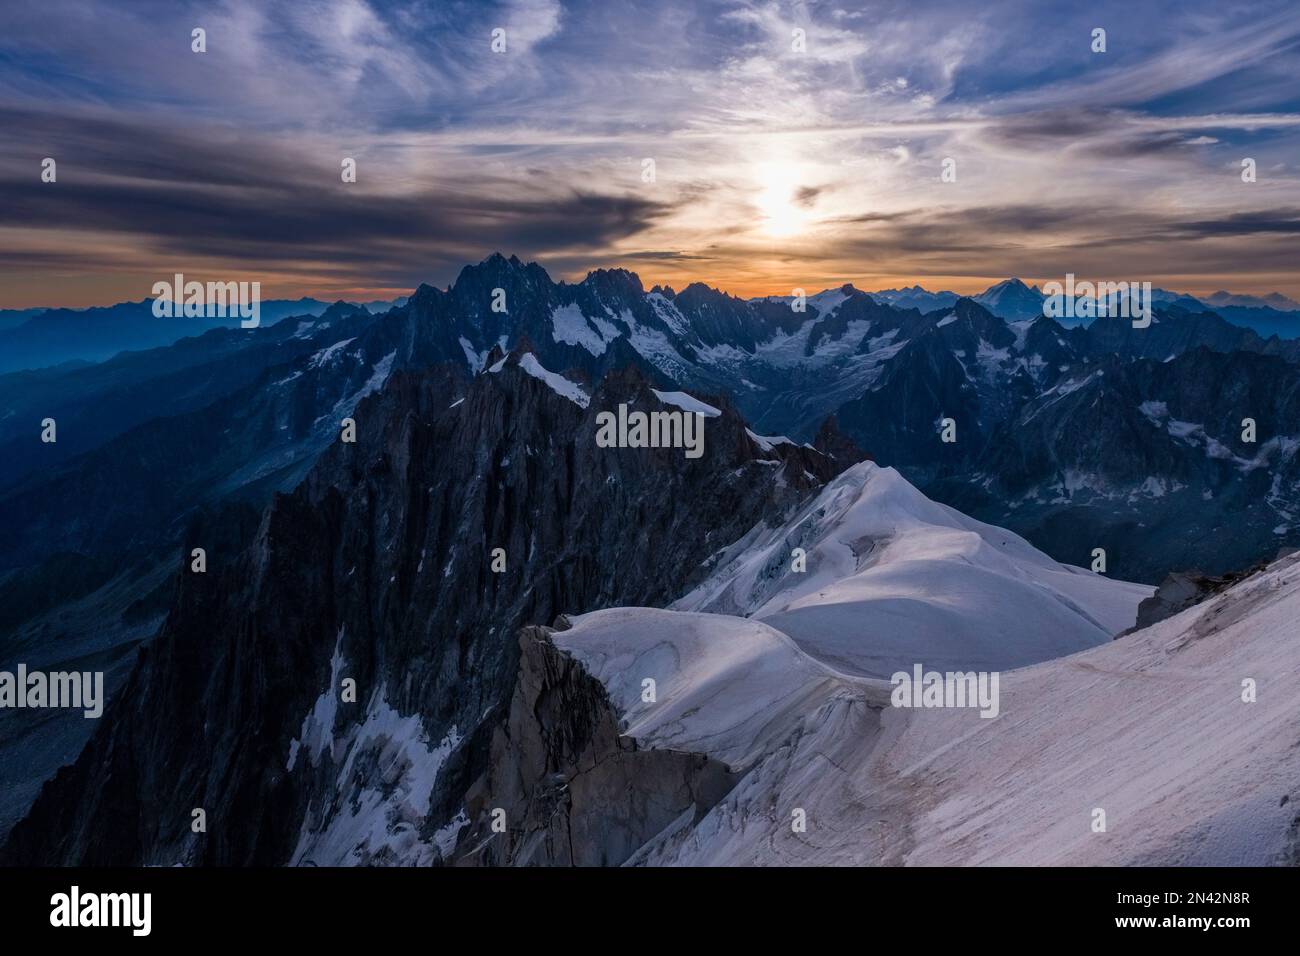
point(893, 578)
point(1151, 728)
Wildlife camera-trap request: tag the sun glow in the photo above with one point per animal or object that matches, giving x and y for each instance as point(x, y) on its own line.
point(782, 215)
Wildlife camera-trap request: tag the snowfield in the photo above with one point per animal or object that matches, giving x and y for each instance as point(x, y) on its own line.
point(1152, 729)
point(725, 686)
point(893, 578)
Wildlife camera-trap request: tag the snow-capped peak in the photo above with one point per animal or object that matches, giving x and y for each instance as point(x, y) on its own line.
point(889, 577)
point(1011, 299)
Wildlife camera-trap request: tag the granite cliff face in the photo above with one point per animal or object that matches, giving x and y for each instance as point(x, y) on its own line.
point(571, 787)
point(378, 569)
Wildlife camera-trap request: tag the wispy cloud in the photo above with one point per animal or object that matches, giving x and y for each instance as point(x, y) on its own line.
point(792, 142)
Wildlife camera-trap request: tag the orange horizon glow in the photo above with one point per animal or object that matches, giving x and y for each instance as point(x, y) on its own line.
point(81, 292)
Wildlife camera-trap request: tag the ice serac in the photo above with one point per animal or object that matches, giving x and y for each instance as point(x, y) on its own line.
point(1182, 733)
point(871, 576)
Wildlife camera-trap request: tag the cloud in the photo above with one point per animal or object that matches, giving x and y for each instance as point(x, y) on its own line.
point(1271, 222)
point(233, 156)
point(271, 205)
point(805, 196)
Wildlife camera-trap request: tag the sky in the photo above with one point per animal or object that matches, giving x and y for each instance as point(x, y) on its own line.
point(756, 147)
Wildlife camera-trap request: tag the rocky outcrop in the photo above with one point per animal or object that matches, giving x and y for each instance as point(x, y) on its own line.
point(1179, 591)
point(1183, 589)
point(830, 440)
point(564, 786)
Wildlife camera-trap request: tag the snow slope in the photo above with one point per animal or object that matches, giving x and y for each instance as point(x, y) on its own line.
point(723, 685)
point(893, 578)
point(1152, 729)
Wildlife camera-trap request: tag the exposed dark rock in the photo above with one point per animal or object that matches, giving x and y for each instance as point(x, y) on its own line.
point(381, 558)
point(831, 441)
point(574, 791)
point(1183, 589)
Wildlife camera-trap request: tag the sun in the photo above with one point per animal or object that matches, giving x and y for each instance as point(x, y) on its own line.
point(780, 183)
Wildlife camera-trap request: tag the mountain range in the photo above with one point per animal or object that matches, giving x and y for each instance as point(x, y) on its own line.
point(39, 338)
point(825, 432)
